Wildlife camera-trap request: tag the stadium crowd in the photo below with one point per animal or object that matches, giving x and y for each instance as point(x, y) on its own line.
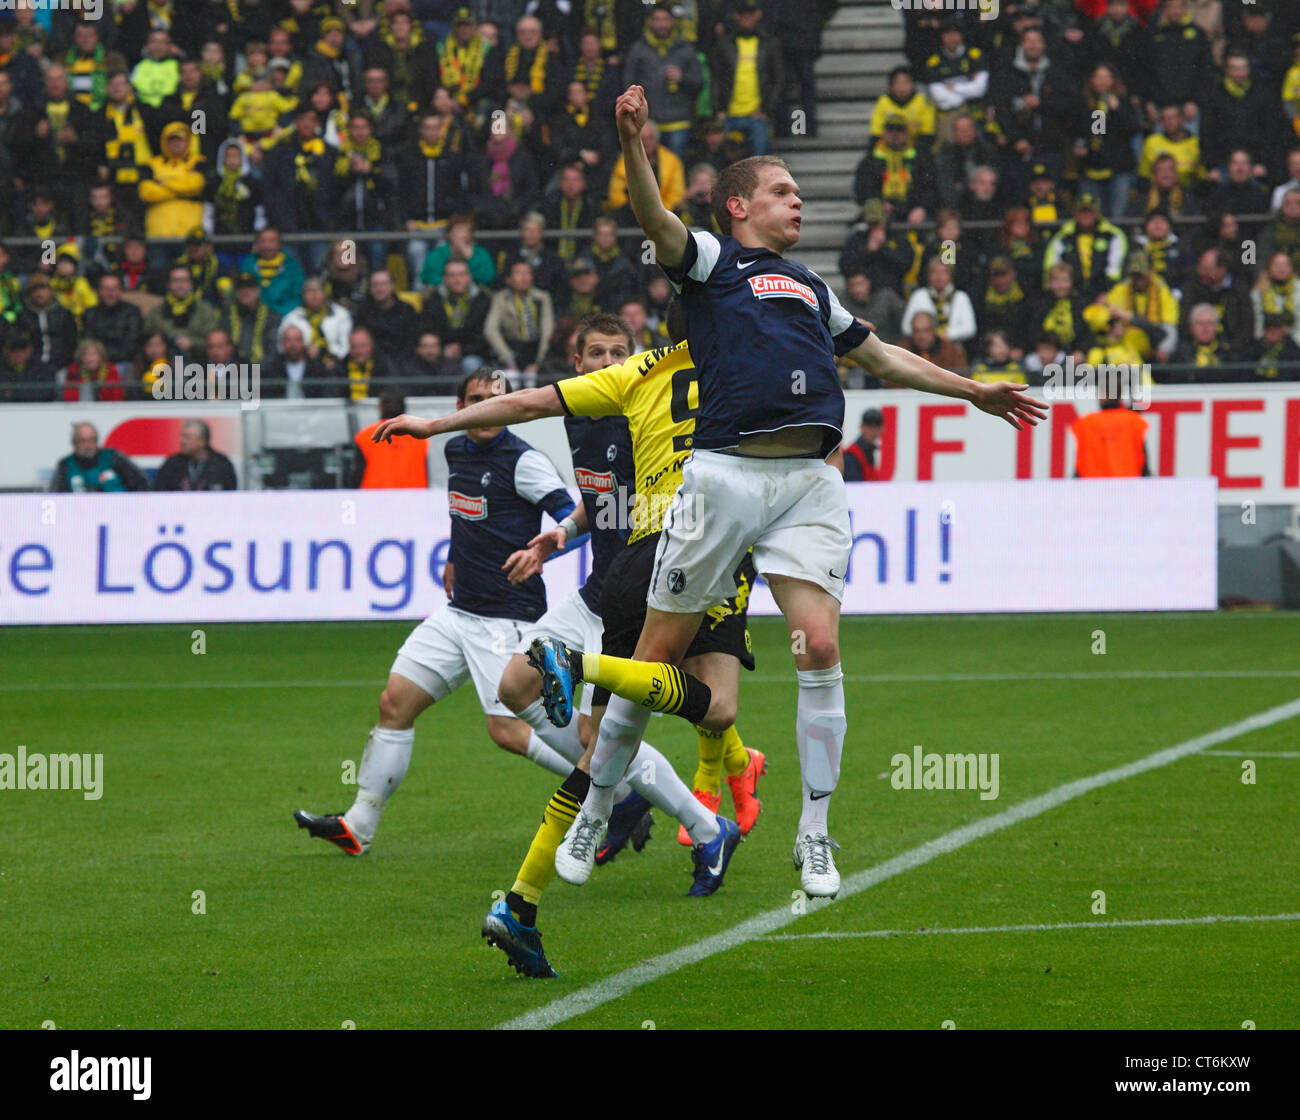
point(1113, 180)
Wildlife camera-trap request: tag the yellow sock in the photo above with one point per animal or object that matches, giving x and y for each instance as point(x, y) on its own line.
point(734, 755)
point(538, 868)
point(708, 774)
point(652, 684)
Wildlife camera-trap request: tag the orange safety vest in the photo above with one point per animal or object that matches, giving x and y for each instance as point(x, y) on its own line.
point(1110, 444)
point(399, 465)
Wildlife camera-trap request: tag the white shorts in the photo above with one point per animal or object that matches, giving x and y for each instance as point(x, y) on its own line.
point(572, 622)
point(451, 645)
point(794, 512)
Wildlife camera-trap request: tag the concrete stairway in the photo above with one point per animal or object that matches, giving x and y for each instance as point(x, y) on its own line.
point(861, 44)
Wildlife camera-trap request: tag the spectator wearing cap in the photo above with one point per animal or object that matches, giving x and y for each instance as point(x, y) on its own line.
point(898, 172)
point(70, 288)
point(23, 376)
point(50, 326)
point(173, 185)
point(957, 77)
point(667, 168)
point(183, 317)
point(520, 322)
point(325, 325)
point(1277, 291)
point(902, 98)
point(947, 305)
point(250, 324)
point(327, 61)
point(1004, 306)
point(860, 455)
point(1176, 140)
point(1203, 352)
point(925, 340)
point(1181, 64)
point(114, 322)
point(666, 66)
point(200, 257)
point(455, 311)
point(579, 298)
point(1104, 130)
point(1044, 201)
point(91, 469)
point(197, 465)
point(881, 307)
point(280, 273)
point(1147, 308)
point(1113, 344)
point(462, 59)
point(1277, 355)
point(397, 463)
point(1036, 99)
point(1091, 245)
point(292, 373)
point(748, 77)
point(871, 248)
point(1111, 442)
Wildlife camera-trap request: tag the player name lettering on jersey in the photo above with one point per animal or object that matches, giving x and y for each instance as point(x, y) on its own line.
point(462, 505)
point(594, 482)
point(770, 285)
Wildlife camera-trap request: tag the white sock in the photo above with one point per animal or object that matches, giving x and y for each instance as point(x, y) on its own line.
point(819, 732)
point(563, 740)
point(654, 778)
point(541, 754)
point(624, 788)
point(621, 729)
point(383, 766)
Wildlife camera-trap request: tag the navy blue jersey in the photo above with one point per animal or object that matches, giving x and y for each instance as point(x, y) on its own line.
point(496, 493)
point(764, 332)
point(602, 462)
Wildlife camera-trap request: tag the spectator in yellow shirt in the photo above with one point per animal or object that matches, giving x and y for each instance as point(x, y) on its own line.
point(1146, 307)
point(258, 112)
point(1173, 139)
point(906, 100)
point(668, 171)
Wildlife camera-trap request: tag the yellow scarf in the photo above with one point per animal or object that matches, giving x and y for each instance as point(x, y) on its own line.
point(897, 181)
point(434, 150)
point(359, 379)
point(180, 308)
point(1277, 298)
point(370, 149)
point(461, 67)
point(270, 267)
point(1207, 355)
point(1060, 321)
point(994, 298)
point(536, 72)
point(590, 76)
point(236, 326)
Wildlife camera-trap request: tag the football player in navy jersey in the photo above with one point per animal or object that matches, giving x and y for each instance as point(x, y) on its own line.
point(765, 333)
point(497, 490)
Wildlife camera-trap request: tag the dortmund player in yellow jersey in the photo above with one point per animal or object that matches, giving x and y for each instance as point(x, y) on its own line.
point(658, 393)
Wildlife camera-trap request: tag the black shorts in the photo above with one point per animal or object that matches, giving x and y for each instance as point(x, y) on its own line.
point(623, 601)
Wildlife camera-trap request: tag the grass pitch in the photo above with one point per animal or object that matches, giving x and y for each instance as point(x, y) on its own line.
point(205, 757)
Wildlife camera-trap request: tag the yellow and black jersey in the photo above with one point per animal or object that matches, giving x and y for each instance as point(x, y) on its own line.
point(659, 393)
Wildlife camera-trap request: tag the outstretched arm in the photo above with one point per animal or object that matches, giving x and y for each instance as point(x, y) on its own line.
point(902, 367)
point(509, 408)
point(661, 225)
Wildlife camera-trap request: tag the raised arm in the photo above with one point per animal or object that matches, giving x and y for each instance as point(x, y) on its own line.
point(902, 367)
point(508, 408)
point(660, 224)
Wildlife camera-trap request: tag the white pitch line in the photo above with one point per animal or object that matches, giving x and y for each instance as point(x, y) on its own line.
point(1207, 920)
point(621, 983)
point(1255, 754)
point(756, 678)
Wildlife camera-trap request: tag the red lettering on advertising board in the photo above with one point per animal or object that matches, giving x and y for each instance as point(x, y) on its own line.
point(1221, 443)
point(1168, 411)
point(1063, 416)
point(927, 447)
